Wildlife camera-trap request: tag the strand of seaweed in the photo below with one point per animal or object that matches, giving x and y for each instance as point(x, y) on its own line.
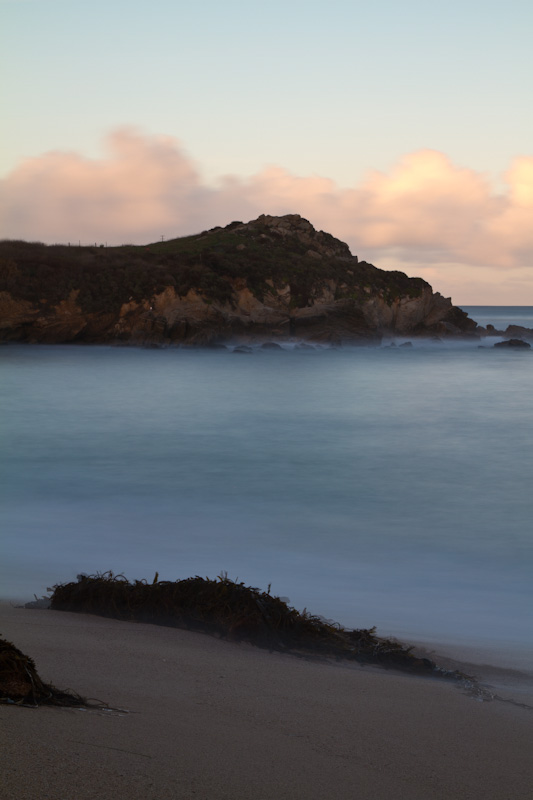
point(21, 685)
point(231, 609)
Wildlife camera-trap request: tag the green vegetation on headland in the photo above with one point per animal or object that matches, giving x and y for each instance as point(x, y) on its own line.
point(273, 277)
point(209, 262)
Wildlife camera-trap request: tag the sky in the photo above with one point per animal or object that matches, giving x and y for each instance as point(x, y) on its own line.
point(403, 128)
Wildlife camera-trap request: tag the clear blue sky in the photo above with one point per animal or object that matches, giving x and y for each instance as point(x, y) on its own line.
point(326, 88)
point(331, 89)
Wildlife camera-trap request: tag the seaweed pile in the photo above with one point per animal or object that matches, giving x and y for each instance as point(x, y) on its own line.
point(20, 683)
point(226, 608)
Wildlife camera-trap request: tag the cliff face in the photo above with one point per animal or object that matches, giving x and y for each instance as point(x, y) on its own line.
point(272, 278)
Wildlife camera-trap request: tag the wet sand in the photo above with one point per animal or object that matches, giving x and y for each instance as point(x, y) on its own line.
point(214, 719)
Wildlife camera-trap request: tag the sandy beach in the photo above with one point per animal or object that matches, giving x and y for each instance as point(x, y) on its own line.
point(213, 719)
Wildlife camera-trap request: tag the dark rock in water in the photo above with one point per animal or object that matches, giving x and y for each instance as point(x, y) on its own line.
point(304, 346)
point(271, 346)
point(406, 344)
point(513, 343)
point(518, 332)
point(243, 349)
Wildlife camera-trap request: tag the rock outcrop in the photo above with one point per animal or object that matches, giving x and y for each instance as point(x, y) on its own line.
point(512, 332)
point(515, 343)
point(273, 278)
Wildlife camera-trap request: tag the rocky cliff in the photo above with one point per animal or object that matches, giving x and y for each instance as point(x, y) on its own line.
point(273, 278)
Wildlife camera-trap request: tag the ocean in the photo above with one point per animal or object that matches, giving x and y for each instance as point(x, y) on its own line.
point(386, 486)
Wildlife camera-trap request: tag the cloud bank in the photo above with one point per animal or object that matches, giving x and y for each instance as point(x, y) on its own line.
point(426, 210)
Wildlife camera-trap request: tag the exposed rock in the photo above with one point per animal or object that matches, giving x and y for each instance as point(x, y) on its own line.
point(490, 330)
point(513, 343)
point(518, 332)
point(272, 279)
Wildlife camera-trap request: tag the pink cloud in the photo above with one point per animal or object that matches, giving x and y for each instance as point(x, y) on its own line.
point(425, 210)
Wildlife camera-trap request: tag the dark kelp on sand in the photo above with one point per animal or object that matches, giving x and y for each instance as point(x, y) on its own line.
point(20, 683)
point(226, 608)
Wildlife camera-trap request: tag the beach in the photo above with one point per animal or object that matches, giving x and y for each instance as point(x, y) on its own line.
point(193, 716)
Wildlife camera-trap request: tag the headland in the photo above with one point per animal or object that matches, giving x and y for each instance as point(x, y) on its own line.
point(271, 279)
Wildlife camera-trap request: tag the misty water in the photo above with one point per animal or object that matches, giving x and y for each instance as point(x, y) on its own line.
point(374, 486)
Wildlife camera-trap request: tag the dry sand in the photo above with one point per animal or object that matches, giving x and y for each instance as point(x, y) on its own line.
point(214, 719)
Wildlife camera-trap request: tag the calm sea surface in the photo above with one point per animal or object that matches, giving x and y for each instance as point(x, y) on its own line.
point(374, 486)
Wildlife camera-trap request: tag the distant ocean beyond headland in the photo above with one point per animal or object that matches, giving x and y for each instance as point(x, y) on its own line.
point(501, 316)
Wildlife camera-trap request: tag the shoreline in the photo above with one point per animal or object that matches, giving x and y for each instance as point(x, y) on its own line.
point(210, 718)
point(382, 340)
point(502, 659)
